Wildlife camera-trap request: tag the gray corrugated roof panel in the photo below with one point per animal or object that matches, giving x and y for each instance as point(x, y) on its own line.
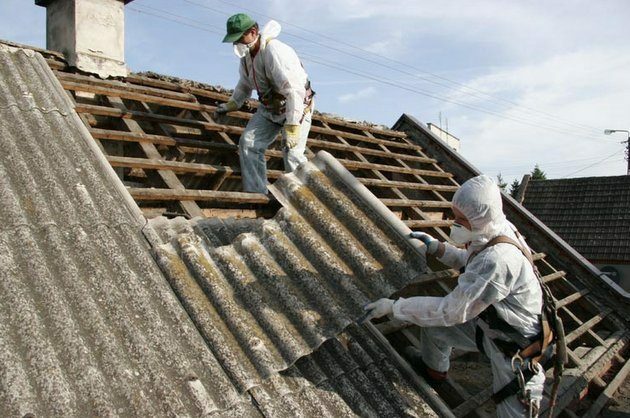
point(280, 290)
point(88, 324)
point(348, 375)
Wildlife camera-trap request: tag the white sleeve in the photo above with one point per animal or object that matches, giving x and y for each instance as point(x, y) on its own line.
point(483, 284)
point(453, 256)
point(289, 77)
point(243, 89)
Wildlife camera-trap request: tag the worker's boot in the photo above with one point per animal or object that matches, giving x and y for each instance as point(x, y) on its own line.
point(414, 357)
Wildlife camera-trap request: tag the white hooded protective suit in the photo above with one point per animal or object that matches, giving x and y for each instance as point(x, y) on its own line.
point(499, 275)
point(275, 68)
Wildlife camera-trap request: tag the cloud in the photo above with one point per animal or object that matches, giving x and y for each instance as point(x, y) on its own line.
point(357, 95)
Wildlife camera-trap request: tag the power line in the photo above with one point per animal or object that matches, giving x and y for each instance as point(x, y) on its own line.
point(591, 165)
point(135, 9)
point(487, 96)
point(380, 79)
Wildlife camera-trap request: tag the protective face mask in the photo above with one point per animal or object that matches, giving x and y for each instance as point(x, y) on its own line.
point(240, 50)
point(460, 234)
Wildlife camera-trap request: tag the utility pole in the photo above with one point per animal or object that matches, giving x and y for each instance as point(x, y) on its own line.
point(627, 142)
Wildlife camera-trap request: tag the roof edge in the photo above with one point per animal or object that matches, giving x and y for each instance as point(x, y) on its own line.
point(462, 169)
point(126, 198)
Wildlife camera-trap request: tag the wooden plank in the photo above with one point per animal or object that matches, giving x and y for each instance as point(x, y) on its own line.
point(169, 178)
point(418, 223)
point(366, 151)
point(356, 165)
point(175, 166)
point(406, 185)
point(216, 95)
point(133, 114)
point(553, 276)
point(200, 195)
point(473, 402)
point(586, 326)
point(608, 393)
point(396, 203)
point(161, 140)
point(116, 86)
point(572, 298)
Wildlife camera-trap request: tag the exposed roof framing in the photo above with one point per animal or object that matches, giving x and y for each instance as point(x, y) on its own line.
point(411, 172)
point(167, 148)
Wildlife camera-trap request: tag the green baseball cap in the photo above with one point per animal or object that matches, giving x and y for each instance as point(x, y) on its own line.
point(237, 25)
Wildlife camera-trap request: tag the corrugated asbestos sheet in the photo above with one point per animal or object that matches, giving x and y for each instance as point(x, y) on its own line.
point(283, 286)
point(348, 375)
point(88, 325)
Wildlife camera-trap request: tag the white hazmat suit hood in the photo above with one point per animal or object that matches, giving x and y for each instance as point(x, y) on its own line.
point(499, 276)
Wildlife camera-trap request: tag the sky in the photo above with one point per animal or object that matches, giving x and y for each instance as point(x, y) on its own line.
point(520, 83)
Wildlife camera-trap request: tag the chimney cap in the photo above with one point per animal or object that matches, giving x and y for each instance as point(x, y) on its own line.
point(45, 3)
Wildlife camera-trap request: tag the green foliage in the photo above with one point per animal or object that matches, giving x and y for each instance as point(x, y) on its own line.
point(501, 183)
point(538, 174)
point(514, 188)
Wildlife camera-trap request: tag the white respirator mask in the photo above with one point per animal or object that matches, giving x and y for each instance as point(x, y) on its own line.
point(460, 234)
point(240, 50)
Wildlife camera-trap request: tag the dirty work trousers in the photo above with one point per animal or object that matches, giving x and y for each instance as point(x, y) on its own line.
point(437, 343)
point(259, 133)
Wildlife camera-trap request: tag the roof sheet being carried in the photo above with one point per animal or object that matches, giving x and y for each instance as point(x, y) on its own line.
point(88, 325)
point(591, 213)
point(285, 285)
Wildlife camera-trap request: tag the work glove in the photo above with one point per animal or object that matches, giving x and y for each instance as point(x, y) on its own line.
point(223, 108)
point(293, 135)
point(377, 309)
point(431, 243)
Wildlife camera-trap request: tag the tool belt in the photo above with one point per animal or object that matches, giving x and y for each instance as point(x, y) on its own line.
point(534, 351)
point(276, 103)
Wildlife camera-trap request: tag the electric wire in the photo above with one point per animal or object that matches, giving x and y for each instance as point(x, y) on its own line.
point(381, 80)
point(477, 92)
point(594, 164)
point(432, 95)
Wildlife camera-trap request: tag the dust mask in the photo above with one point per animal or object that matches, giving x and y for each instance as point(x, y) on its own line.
point(240, 50)
point(460, 234)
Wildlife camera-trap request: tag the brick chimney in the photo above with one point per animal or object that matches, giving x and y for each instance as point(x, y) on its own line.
point(90, 33)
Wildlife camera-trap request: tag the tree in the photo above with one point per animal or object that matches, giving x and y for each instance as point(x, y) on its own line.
point(514, 188)
point(501, 183)
point(538, 174)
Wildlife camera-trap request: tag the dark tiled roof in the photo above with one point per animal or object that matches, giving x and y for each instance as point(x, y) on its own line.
point(591, 213)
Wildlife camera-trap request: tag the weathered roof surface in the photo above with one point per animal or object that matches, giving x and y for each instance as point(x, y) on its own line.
point(88, 324)
point(590, 213)
point(285, 285)
point(348, 375)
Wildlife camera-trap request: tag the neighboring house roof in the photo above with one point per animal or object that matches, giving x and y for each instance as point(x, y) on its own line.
point(176, 160)
point(591, 213)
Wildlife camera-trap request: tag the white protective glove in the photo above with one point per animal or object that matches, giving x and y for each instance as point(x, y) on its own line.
point(377, 309)
point(293, 135)
point(230, 106)
point(431, 243)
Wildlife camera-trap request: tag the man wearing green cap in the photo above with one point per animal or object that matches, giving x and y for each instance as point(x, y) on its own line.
point(274, 70)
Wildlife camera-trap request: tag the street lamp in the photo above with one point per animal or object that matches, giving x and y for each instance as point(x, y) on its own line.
point(627, 142)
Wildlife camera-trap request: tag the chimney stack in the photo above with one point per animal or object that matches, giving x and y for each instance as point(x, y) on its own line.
point(90, 34)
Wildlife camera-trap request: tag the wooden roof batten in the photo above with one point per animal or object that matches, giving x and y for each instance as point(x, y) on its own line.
point(169, 149)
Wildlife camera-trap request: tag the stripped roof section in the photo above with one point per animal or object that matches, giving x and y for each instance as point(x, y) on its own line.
point(285, 285)
point(88, 325)
point(591, 213)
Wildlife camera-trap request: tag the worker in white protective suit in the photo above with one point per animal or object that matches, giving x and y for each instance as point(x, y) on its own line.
point(498, 276)
point(274, 70)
